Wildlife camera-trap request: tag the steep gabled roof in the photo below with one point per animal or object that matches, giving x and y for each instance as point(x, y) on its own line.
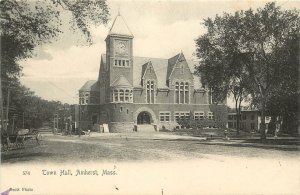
point(144, 68)
point(90, 85)
point(119, 27)
point(102, 64)
point(171, 64)
point(160, 67)
point(121, 81)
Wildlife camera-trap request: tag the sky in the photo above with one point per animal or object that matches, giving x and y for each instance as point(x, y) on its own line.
point(161, 29)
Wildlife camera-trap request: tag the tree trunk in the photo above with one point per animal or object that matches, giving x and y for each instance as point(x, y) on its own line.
point(238, 115)
point(262, 120)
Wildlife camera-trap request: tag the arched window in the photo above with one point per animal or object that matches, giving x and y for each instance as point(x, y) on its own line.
point(121, 95)
point(116, 95)
point(127, 95)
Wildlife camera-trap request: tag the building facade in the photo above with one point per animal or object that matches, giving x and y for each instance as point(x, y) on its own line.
point(250, 120)
point(142, 93)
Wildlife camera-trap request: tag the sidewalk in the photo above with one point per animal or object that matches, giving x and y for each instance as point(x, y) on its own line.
point(270, 143)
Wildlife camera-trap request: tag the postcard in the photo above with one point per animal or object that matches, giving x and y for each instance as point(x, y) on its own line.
point(149, 97)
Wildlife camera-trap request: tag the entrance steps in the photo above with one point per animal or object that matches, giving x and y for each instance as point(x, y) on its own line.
point(145, 128)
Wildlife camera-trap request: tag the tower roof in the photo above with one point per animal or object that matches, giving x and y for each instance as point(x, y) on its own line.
point(119, 27)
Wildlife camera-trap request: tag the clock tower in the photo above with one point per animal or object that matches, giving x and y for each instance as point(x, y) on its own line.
point(119, 52)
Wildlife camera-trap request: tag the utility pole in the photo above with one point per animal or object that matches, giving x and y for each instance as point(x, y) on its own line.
point(1, 103)
point(7, 109)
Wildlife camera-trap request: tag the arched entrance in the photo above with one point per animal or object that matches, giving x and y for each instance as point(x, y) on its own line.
point(144, 118)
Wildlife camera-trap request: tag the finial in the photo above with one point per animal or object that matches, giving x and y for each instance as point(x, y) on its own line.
point(119, 10)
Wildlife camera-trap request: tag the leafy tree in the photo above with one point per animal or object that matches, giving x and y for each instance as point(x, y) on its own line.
point(256, 39)
point(284, 100)
point(26, 24)
point(221, 66)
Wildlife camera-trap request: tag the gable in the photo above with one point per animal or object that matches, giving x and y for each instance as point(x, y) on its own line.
point(181, 69)
point(148, 71)
point(159, 65)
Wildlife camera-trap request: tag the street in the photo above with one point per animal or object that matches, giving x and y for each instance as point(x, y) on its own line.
point(140, 147)
point(153, 163)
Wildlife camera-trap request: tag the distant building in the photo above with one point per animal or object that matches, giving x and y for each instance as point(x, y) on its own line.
point(250, 120)
point(142, 92)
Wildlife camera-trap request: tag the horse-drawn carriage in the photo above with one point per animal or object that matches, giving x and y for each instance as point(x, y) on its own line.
point(20, 139)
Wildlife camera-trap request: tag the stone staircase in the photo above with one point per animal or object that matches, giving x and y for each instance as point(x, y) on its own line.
point(145, 128)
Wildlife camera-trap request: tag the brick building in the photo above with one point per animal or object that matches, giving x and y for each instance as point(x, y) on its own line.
point(147, 93)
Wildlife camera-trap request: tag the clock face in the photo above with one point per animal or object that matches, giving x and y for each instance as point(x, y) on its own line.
point(122, 48)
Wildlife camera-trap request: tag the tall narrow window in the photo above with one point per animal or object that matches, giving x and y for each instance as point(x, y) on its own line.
point(126, 95)
point(148, 91)
point(177, 92)
point(121, 94)
point(181, 93)
point(130, 96)
point(152, 92)
point(186, 93)
point(116, 95)
point(150, 69)
point(181, 69)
